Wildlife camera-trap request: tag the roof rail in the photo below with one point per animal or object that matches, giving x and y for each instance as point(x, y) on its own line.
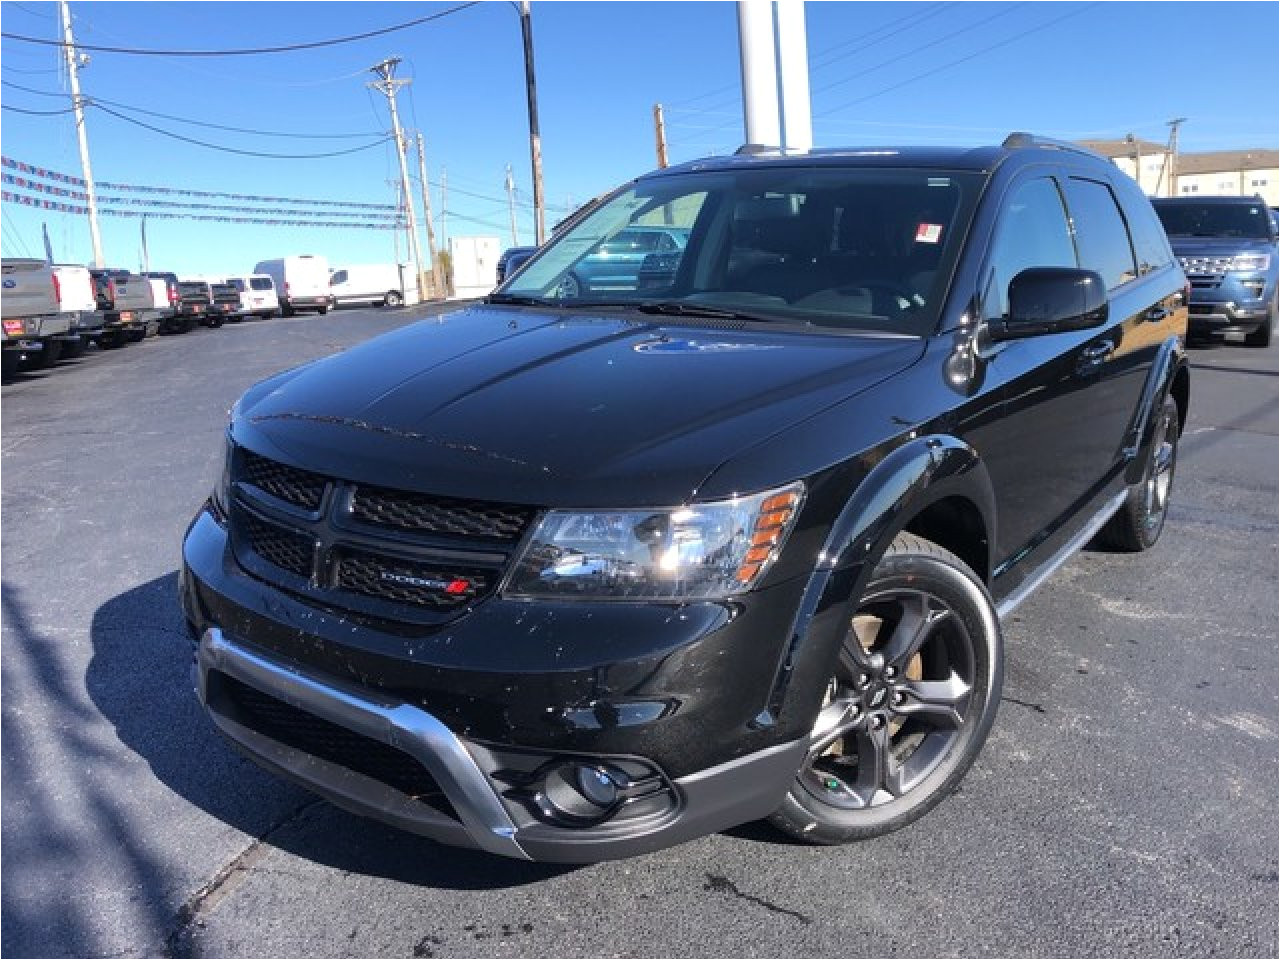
point(755, 150)
point(1020, 141)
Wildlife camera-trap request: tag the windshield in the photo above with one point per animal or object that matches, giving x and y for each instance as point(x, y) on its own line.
point(1245, 220)
point(854, 248)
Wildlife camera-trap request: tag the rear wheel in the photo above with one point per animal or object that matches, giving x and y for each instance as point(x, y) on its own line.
point(46, 358)
point(74, 349)
point(909, 705)
point(1137, 524)
point(136, 336)
point(10, 360)
point(1262, 336)
point(111, 340)
point(392, 299)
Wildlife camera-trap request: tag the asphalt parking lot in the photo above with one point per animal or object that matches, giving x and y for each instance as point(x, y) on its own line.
point(1125, 804)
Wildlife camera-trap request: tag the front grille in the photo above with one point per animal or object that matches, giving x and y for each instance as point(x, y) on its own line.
point(407, 581)
point(298, 487)
point(283, 548)
point(304, 731)
point(403, 510)
point(1205, 266)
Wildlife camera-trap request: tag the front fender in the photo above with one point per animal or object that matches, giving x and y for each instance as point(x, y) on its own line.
point(918, 473)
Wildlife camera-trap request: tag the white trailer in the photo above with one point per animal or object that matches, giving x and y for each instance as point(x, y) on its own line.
point(384, 284)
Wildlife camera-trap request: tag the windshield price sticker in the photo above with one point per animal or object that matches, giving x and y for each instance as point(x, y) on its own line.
point(929, 233)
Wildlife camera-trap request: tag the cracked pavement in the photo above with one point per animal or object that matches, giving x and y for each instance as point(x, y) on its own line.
point(1125, 804)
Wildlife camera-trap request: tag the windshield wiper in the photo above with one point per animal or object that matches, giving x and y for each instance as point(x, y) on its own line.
point(682, 308)
point(517, 301)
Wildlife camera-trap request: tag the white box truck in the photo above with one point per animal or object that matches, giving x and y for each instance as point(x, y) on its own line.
point(302, 282)
point(375, 283)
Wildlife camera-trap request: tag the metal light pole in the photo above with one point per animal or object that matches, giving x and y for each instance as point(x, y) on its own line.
point(73, 68)
point(389, 85)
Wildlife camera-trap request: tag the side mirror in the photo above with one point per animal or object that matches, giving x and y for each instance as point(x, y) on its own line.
point(1051, 300)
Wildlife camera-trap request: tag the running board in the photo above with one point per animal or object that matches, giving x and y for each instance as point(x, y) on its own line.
point(1065, 553)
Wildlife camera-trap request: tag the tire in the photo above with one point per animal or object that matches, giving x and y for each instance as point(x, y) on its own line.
point(1262, 336)
point(46, 358)
point(9, 361)
point(213, 323)
point(136, 336)
point(323, 311)
point(912, 698)
point(112, 340)
point(74, 350)
point(1136, 526)
point(286, 311)
point(392, 299)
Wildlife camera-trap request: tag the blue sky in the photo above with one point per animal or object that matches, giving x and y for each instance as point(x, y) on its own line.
point(882, 73)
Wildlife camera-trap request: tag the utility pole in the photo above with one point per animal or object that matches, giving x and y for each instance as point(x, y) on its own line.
point(535, 139)
point(1173, 154)
point(395, 234)
point(660, 134)
point(74, 63)
point(389, 85)
point(437, 282)
point(444, 205)
point(511, 206)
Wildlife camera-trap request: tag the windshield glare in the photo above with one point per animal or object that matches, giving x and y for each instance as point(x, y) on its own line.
point(1241, 220)
point(855, 248)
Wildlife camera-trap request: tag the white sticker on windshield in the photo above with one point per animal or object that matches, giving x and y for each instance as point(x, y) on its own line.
point(929, 233)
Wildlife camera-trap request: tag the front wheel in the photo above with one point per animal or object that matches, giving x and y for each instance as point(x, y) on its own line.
point(909, 705)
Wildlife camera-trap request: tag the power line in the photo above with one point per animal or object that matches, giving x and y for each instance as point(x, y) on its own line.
point(956, 63)
point(40, 70)
point(199, 123)
point(287, 48)
point(37, 113)
point(243, 153)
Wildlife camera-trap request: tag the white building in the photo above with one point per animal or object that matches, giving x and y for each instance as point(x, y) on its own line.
point(1215, 173)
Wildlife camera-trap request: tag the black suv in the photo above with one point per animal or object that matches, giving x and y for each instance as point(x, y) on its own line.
point(577, 577)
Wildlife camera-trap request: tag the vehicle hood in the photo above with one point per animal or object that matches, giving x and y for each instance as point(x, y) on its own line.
point(529, 406)
point(1219, 246)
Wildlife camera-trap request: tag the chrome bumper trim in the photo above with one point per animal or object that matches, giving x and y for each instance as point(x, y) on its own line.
point(401, 725)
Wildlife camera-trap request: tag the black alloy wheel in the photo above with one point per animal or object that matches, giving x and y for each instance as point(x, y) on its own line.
point(1136, 526)
point(913, 696)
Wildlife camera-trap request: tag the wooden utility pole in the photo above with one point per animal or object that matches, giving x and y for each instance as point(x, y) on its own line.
point(74, 63)
point(437, 281)
point(389, 85)
point(1173, 154)
point(535, 138)
point(660, 134)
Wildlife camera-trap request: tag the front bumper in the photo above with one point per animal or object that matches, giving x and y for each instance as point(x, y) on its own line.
point(1230, 303)
point(484, 732)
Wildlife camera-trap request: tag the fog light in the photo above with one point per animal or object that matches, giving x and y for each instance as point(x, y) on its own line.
point(579, 794)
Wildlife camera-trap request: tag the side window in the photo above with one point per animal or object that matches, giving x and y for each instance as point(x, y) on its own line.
point(1031, 231)
point(339, 276)
point(1101, 235)
point(1150, 242)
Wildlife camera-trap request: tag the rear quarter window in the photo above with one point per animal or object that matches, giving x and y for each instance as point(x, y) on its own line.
point(1102, 239)
point(1150, 242)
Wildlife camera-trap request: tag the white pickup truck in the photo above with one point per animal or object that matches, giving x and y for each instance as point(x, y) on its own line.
point(34, 326)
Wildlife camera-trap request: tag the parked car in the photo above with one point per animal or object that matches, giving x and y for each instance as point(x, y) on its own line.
point(257, 295)
point(78, 299)
point(124, 299)
point(224, 303)
point(194, 302)
point(35, 328)
point(1227, 246)
point(574, 578)
point(382, 284)
point(511, 260)
point(162, 307)
point(614, 264)
point(172, 298)
point(302, 282)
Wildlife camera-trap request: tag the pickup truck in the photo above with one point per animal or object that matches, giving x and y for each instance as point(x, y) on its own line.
point(124, 299)
point(194, 301)
point(572, 575)
point(34, 326)
point(77, 297)
point(225, 303)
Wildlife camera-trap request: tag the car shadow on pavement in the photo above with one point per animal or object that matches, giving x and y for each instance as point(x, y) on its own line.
point(161, 720)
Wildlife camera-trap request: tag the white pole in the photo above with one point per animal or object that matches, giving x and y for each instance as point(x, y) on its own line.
point(389, 86)
point(759, 72)
point(793, 69)
point(73, 68)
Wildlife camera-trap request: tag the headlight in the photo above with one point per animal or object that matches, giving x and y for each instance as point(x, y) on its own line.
point(1251, 261)
point(699, 551)
point(221, 494)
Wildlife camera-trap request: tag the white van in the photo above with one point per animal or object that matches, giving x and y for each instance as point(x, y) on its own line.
point(302, 282)
point(257, 295)
point(379, 283)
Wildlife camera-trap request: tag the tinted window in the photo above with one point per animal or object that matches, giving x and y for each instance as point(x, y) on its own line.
point(1214, 219)
point(1101, 236)
point(237, 283)
point(339, 276)
point(1032, 232)
point(261, 283)
point(1149, 240)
